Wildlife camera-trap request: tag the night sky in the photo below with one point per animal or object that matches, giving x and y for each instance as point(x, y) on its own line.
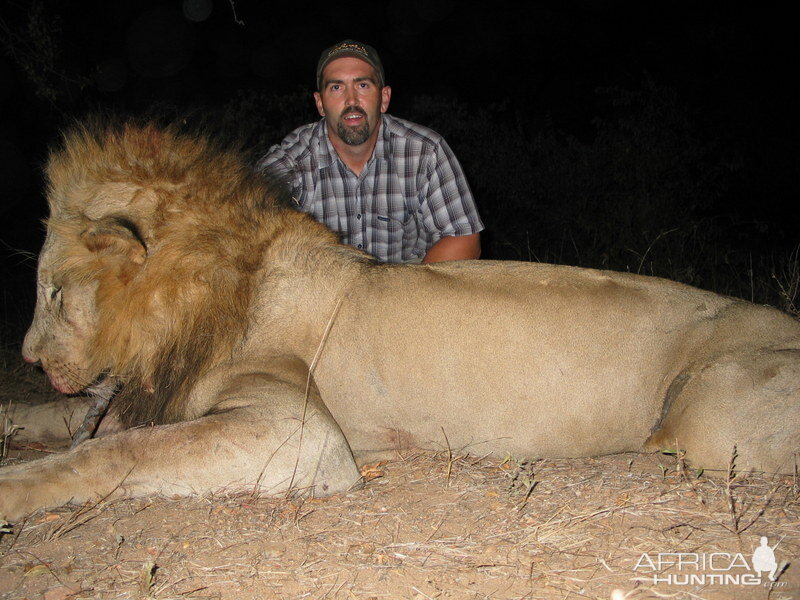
point(548, 56)
point(732, 66)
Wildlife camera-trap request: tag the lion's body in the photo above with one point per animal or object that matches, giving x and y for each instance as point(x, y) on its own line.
point(537, 360)
point(210, 303)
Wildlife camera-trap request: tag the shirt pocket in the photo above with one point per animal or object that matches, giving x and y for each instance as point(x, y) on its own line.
point(395, 223)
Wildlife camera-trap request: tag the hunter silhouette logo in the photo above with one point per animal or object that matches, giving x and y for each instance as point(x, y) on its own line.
point(764, 559)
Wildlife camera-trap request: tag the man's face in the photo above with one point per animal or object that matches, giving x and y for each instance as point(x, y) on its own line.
point(351, 100)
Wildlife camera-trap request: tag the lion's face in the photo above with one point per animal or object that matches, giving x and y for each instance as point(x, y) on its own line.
point(64, 323)
point(83, 262)
point(145, 279)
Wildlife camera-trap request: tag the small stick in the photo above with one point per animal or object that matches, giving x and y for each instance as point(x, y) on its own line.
point(100, 399)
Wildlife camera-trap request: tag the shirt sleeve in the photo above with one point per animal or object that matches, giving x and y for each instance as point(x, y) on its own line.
point(278, 163)
point(446, 202)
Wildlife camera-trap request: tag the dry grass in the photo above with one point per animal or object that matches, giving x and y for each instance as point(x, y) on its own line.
point(786, 276)
point(7, 431)
point(428, 526)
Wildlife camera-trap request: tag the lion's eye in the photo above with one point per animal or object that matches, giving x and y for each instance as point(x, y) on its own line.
point(55, 294)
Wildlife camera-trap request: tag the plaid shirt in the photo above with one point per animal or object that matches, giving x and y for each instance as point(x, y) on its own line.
point(409, 195)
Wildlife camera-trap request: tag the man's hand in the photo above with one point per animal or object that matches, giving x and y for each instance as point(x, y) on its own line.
point(460, 247)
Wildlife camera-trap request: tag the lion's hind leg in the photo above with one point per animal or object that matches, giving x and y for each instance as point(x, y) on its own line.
point(747, 403)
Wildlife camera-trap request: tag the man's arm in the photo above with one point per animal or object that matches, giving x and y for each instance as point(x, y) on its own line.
point(283, 161)
point(448, 209)
point(458, 247)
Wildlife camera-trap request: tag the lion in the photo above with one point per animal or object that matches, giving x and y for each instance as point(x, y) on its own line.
point(250, 350)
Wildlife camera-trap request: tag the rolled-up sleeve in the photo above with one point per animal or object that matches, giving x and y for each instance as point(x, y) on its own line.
point(446, 202)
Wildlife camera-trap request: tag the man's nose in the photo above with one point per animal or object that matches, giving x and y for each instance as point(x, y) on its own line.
point(351, 96)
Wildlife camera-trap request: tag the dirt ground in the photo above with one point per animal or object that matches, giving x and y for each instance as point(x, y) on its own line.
point(424, 526)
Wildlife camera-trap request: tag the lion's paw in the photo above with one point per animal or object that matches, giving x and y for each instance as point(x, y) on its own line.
point(30, 486)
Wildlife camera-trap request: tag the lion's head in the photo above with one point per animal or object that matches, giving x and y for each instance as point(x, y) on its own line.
point(146, 273)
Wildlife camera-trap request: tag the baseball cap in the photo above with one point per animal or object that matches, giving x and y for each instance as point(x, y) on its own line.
point(354, 49)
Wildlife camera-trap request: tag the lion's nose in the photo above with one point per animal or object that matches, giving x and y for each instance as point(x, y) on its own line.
point(29, 346)
point(28, 358)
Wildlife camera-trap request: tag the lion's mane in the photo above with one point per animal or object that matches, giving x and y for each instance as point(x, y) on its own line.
point(198, 221)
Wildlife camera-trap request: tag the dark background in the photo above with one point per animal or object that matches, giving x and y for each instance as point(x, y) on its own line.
point(657, 137)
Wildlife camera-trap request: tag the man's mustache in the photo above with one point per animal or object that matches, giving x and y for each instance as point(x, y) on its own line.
point(353, 109)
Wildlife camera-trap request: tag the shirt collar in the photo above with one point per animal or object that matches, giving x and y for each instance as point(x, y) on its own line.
point(383, 147)
point(326, 153)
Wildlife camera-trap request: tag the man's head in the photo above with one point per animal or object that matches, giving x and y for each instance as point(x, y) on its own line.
point(352, 94)
point(352, 49)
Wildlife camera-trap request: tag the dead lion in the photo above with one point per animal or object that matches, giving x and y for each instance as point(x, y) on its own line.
point(253, 349)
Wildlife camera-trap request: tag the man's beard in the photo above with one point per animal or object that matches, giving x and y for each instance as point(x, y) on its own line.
point(349, 135)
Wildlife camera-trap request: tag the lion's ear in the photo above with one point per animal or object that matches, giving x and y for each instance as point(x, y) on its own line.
point(115, 237)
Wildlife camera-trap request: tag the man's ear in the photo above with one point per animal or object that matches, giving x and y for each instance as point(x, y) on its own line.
point(318, 100)
point(386, 95)
point(115, 236)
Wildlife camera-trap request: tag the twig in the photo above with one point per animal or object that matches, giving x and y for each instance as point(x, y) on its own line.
point(311, 368)
point(449, 457)
point(101, 397)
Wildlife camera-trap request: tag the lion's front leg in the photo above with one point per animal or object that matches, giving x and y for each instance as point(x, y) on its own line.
point(267, 446)
point(50, 422)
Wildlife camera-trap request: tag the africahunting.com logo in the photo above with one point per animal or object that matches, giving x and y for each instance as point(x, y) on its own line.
point(712, 568)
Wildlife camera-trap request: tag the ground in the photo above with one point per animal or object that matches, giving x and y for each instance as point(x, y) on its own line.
point(425, 526)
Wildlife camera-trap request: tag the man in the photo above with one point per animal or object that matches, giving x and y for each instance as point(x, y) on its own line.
point(388, 186)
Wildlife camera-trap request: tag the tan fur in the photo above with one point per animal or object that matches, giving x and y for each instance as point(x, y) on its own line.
point(173, 271)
